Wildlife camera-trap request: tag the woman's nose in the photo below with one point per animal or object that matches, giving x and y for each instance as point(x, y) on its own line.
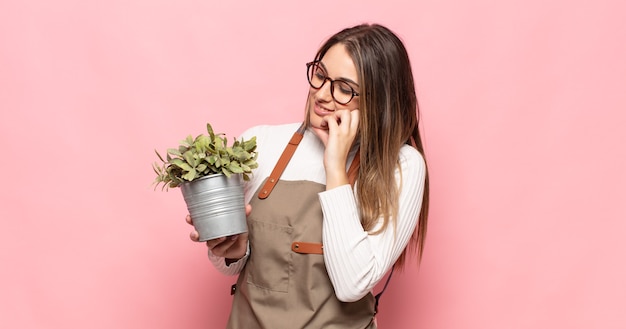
point(324, 93)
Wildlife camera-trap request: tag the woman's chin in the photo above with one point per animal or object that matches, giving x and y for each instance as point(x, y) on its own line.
point(319, 124)
point(319, 127)
point(319, 130)
point(321, 133)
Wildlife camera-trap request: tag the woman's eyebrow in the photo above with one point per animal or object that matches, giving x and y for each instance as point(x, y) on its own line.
point(349, 81)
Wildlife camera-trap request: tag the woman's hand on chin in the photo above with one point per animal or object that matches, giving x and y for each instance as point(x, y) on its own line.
point(321, 132)
point(337, 131)
point(343, 124)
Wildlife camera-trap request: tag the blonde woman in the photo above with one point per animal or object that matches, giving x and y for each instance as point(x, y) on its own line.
point(338, 200)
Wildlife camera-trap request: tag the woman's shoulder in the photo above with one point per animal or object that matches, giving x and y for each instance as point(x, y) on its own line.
point(409, 155)
point(272, 132)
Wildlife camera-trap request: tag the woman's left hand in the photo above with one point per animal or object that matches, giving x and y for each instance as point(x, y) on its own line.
point(342, 128)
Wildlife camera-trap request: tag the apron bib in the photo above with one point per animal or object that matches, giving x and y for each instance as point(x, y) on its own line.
point(284, 283)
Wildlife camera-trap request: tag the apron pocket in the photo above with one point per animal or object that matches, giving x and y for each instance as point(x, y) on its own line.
point(269, 265)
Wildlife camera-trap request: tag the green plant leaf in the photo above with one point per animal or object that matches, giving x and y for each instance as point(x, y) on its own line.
point(250, 145)
point(176, 160)
point(204, 155)
point(209, 129)
point(189, 158)
point(159, 155)
point(225, 161)
point(234, 167)
point(251, 163)
point(191, 175)
point(181, 164)
point(218, 142)
point(174, 152)
point(242, 155)
point(202, 143)
point(157, 168)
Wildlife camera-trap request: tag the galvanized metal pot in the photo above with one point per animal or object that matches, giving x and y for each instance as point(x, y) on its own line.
point(216, 205)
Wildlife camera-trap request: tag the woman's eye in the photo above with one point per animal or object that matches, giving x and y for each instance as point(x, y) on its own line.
point(345, 89)
point(320, 75)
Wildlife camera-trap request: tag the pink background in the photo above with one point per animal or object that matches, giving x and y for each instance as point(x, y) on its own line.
point(523, 107)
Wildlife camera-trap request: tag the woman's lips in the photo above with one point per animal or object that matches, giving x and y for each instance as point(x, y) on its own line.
point(321, 111)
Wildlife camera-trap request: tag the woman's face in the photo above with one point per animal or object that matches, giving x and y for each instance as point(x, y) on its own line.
point(336, 65)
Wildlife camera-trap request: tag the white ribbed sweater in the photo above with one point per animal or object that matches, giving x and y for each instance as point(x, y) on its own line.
point(356, 261)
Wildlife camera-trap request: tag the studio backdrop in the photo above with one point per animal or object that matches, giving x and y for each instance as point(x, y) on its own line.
point(522, 106)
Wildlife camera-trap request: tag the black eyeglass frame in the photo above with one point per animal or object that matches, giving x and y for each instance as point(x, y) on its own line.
point(332, 83)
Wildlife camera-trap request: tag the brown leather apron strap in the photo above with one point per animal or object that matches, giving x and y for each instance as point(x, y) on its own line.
point(282, 163)
point(307, 248)
point(353, 171)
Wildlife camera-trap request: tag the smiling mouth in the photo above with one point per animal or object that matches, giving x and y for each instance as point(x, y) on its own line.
point(320, 110)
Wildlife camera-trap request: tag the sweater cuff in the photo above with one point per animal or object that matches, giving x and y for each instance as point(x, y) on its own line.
point(232, 268)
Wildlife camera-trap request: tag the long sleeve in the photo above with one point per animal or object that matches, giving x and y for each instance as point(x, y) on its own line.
point(233, 268)
point(356, 261)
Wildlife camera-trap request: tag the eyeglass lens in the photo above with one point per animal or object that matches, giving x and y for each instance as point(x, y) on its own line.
point(341, 91)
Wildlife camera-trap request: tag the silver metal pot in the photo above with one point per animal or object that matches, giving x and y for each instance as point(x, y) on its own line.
point(216, 205)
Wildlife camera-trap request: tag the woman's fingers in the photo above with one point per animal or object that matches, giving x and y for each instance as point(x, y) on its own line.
point(354, 121)
point(194, 236)
point(343, 122)
point(215, 242)
point(223, 245)
point(343, 127)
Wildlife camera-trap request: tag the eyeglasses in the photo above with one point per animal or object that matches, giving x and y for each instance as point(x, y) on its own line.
point(341, 90)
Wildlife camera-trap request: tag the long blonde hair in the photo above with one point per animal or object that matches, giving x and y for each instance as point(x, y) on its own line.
point(389, 119)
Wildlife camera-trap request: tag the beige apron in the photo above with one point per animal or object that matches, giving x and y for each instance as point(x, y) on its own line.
point(284, 283)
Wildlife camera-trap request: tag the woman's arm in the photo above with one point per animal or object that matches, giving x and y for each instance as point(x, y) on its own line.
point(356, 261)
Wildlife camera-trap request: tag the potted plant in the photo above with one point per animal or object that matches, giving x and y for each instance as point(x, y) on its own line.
point(210, 175)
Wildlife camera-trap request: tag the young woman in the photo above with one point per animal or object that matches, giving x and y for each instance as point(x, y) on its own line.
point(338, 200)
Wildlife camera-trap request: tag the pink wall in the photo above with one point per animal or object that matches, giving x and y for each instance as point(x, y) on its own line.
point(523, 106)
